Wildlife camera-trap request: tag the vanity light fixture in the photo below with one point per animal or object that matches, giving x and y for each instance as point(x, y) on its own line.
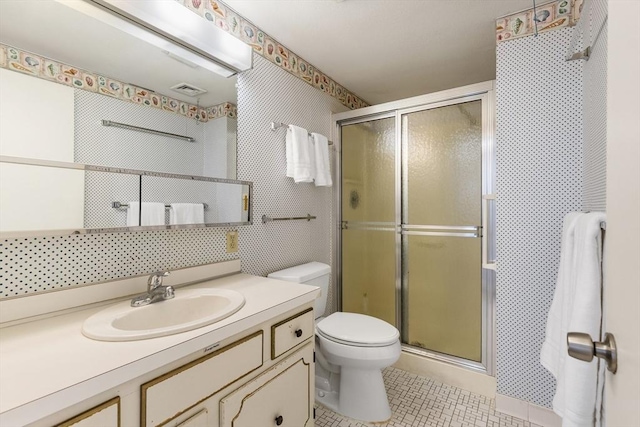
point(175, 29)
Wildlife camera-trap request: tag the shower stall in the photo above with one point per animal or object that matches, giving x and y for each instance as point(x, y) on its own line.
point(415, 235)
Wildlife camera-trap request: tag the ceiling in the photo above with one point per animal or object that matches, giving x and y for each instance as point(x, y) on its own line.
point(384, 50)
point(53, 30)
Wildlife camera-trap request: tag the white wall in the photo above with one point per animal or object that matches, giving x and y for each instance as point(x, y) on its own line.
point(40, 198)
point(36, 120)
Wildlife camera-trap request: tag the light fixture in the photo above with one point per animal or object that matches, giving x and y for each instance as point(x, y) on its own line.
point(173, 28)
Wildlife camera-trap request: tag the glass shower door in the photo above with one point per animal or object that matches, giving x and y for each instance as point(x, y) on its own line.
point(369, 218)
point(441, 229)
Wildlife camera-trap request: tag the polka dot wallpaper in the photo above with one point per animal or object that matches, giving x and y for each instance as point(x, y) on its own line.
point(539, 179)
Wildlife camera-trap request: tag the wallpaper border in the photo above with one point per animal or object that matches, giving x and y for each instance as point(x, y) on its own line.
point(22, 61)
point(552, 15)
point(268, 47)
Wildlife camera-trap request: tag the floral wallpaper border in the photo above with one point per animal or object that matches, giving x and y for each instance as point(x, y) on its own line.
point(551, 16)
point(266, 46)
point(34, 65)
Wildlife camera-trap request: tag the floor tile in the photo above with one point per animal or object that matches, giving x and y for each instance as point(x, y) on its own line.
point(418, 401)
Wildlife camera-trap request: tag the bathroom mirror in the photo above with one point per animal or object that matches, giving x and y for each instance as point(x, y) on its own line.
point(62, 85)
point(71, 198)
point(95, 119)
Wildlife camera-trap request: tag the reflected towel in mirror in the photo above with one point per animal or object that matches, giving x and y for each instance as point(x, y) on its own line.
point(152, 214)
point(186, 213)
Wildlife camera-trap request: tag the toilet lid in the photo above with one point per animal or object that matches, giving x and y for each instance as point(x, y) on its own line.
point(358, 329)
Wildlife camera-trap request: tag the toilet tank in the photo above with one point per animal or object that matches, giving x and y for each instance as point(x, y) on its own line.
point(311, 273)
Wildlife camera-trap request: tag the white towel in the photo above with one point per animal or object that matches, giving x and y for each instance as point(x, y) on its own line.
point(300, 164)
point(186, 213)
point(152, 214)
point(576, 307)
point(322, 163)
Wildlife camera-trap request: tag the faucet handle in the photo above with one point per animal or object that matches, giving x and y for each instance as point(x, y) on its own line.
point(155, 279)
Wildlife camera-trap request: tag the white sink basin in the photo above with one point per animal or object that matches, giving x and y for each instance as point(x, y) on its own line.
point(190, 309)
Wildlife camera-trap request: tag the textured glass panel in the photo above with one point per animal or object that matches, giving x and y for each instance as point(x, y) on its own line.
point(444, 147)
point(368, 171)
point(368, 273)
point(443, 295)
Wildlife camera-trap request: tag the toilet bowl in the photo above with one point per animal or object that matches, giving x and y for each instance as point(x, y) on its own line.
point(351, 349)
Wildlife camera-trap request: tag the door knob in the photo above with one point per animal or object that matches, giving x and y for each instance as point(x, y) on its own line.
point(582, 347)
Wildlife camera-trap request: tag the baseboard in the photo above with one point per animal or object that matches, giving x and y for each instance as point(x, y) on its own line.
point(527, 411)
point(446, 373)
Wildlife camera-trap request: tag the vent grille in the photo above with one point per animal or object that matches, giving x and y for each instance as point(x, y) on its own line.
point(188, 89)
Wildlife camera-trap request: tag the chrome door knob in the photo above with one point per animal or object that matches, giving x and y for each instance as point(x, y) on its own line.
point(580, 346)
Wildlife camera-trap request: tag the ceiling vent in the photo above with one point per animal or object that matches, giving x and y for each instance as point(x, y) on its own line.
point(188, 89)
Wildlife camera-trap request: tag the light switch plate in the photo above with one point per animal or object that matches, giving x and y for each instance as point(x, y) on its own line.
point(232, 241)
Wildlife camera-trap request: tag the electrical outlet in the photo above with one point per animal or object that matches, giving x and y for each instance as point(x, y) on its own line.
point(232, 241)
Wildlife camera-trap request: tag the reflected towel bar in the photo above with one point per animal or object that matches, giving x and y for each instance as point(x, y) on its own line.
point(276, 125)
point(119, 205)
point(266, 219)
point(146, 130)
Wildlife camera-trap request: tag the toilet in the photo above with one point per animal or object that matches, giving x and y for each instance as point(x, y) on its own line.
point(351, 351)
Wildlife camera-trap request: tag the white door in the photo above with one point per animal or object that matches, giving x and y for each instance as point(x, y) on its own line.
point(622, 275)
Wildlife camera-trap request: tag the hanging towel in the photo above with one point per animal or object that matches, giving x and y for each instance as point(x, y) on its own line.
point(576, 307)
point(152, 214)
point(322, 163)
point(186, 213)
point(300, 164)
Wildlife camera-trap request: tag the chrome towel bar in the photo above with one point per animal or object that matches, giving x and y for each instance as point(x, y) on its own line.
point(120, 205)
point(146, 130)
point(276, 125)
point(266, 219)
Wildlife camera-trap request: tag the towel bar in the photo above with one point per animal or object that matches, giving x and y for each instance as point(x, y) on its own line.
point(275, 125)
point(266, 219)
point(120, 205)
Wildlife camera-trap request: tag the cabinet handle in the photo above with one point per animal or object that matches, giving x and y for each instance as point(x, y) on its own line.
point(298, 334)
point(279, 420)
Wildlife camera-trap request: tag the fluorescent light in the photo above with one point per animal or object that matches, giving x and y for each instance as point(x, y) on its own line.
point(175, 29)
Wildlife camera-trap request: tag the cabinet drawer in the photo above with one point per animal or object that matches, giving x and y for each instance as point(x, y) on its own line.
point(291, 332)
point(169, 395)
point(279, 397)
point(105, 415)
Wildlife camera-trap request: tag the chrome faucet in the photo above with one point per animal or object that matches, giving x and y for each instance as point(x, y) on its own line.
point(155, 291)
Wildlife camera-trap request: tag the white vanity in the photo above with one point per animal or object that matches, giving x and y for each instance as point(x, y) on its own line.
point(253, 368)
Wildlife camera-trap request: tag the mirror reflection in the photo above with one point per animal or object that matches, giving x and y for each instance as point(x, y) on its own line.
point(76, 199)
point(82, 91)
point(60, 83)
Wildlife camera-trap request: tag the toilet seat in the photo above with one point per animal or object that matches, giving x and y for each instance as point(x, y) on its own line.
point(357, 330)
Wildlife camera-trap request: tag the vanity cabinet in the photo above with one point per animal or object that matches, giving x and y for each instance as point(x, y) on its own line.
point(239, 384)
point(255, 368)
point(105, 415)
point(171, 394)
point(278, 397)
point(290, 333)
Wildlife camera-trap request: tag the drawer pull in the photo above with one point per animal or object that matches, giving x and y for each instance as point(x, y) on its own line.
point(298, 334)
point(279, 420)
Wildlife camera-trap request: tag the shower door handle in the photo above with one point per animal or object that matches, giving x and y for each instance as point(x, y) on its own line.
point(441, 230)
point(485, 232)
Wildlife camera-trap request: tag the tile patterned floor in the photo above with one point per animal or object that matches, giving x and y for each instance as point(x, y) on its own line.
point(418, 401)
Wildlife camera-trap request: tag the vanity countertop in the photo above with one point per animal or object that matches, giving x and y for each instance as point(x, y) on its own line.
point(47, 365)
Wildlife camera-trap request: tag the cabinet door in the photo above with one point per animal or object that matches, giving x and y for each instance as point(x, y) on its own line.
point(177, 391)
point(282, 396)
point(105, 415)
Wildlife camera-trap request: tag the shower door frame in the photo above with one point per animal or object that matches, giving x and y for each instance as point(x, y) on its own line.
point(481, 91)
